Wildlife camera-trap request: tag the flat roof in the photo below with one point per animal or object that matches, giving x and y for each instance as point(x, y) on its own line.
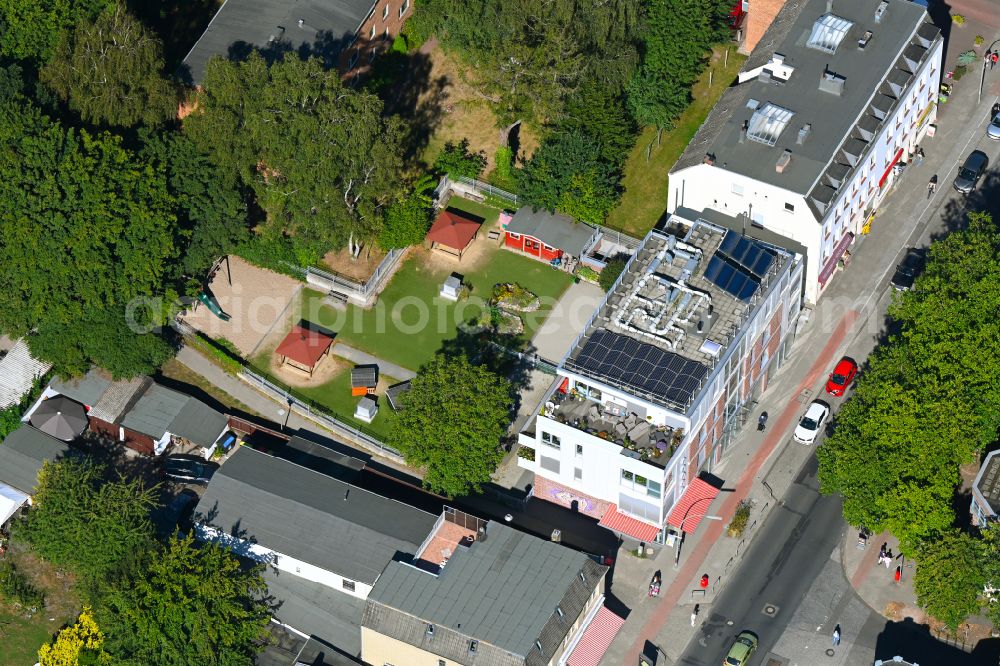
point(679, 304)
point(794, 87)
point(502, 591)
point(310, 516)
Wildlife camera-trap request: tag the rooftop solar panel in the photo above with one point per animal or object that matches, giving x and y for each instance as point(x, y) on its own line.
point(746, 253)
point(663, 374)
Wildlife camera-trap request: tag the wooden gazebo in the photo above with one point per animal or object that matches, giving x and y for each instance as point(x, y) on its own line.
point(453, 232)
point(303, 348)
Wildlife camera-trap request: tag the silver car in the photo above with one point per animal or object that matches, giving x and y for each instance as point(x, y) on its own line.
point(971, 171)
point(993, 129)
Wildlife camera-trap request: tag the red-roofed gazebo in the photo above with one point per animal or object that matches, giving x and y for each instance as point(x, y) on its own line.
point(452, 232)
point(303, 348)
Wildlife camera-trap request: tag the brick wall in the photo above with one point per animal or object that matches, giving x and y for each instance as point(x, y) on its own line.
point(375, 35)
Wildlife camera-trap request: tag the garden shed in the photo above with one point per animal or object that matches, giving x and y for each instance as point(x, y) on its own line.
point(303, 348)
point(364, 379)
point(452, 232)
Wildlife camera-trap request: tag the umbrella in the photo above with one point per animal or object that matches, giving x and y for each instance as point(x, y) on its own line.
point(60, 417)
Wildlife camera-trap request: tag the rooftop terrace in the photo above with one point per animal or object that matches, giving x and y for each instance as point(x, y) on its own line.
point(674, 311)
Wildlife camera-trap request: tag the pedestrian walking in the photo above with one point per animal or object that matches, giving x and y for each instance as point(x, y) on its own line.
point(993, 60)
point(920, 155)
point(761, 422)
point(694, 614)
point(836, 635)
point(987, 57)
point(932, 186)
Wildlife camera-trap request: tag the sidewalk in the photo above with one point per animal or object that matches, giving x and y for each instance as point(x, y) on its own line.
point(358, 357)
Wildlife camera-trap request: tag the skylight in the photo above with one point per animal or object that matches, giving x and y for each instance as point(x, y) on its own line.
point(767, 123)
point(827, 32)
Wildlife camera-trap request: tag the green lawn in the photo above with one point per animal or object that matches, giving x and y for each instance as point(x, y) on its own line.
point(488, 213)
point(410, 322)
point(645, 199)
point(336, 396)
point(21, 638)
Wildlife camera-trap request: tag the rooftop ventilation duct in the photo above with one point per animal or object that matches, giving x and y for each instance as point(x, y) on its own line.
point(880, 12)
point(832, 83)
point(864, 39)
point(803, 134)
point(783, 161)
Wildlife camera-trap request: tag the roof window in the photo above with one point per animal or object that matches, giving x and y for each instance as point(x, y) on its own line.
point(827, 33)
point(767, 123)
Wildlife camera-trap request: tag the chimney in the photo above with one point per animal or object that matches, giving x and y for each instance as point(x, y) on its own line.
point(783, 160)
point(804, 133)
point(743, 130)
point(829, 6)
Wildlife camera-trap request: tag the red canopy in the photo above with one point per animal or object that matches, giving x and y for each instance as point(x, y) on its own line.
point(454, 230)
point(693, 505)
point(617, 521)
point(304, 346)
point(596, 639)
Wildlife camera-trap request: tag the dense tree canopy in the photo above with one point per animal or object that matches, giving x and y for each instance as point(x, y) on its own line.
point(530, 55)
point(193, 604)
point(408, 219)
point(950, 577)
point(453, 419)
point(110, 71)
point(930, 397)
point(320, 158)
point(31, 29)
point(455, 160)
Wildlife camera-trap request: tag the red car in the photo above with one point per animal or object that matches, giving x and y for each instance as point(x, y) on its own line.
point(842, 376)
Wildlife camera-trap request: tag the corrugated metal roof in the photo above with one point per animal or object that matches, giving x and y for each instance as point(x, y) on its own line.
point(310, 516)
point(18, 371)
point(22, 454)
point(502, 591)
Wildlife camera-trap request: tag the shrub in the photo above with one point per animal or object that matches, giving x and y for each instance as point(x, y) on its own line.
point(967, 58)
point(222, 351)
point(978, 41)
point(588, 273)
point(456, 160)
point(503, 174)
point(612, 270)
point(15, 586)
point(526, 453)
point(958, 19)
point(740, 519)
point(959, 72)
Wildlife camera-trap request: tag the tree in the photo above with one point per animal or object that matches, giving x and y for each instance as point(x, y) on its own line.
point(677, 36)
point(86, 228)
point(111, 72)
point(567, 173)
point(990, 562)
point(456, 160)
point(79, 644)
point(612, 269)
point(950, 577)
point(320, 158)
point(31, 29)
point(530, 55)
point(82, 521)
point(192, 604)
point(407, 220)
point(602, 114)
point(453, 418)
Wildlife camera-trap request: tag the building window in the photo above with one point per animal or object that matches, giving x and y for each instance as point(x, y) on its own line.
point(653, 488)
point(577, 474)
point(372, 34)
point(551, 440)
point(548, 464)
point(348, 585)
point(737, 190)
point(385, 11)
point(403, 7)
point(588, 391)
point(442, 662)
point(354, 60)
point(757, 220)
point(790, 207)
point(579, 449)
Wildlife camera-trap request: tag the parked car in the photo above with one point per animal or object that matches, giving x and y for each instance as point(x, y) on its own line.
point(842, 376)
point(742, 649)
point(993, 129)
point(188, 468)
point(972, 170)
point(809, 427)
point(908, 269)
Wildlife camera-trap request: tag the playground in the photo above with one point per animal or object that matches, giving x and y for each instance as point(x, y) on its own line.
point(253, 299)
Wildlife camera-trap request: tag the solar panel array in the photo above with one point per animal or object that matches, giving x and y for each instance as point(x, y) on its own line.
point(659, 372)
point(739, 265)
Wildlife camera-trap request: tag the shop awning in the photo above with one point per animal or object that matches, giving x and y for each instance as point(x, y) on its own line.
point(888, 169)
point(838, 252)
point(616, 521)
point(596, 639)
point(693, 505)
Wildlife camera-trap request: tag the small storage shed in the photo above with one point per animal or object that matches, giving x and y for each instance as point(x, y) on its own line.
point(364, 379)
point(366, 410)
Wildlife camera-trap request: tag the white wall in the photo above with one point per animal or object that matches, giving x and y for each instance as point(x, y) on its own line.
point(282, 562)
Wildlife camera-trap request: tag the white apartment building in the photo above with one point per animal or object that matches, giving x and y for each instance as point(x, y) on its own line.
point(668, 369)
point(828, 108)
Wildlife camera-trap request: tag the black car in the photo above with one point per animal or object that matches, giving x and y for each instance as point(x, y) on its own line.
point(908, 269)
point(190, 469)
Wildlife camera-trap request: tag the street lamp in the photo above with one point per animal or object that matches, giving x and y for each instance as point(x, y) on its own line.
point(677, 555)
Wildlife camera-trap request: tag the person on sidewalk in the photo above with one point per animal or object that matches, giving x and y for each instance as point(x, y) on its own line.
point(694, 614)
point(993, 60)
point(932, 186)
point(836, 636)
point(920, 156)
point(761, 422)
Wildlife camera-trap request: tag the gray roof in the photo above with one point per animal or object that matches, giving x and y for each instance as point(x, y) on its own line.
point(310, 516)
point(502, 591)
point(119, 398)
point(240, 25)
point(86, 390)
point(161, 410)
point(22, 454)
point(832, 117)
point(987, 484)
point(316, 609)
point(555, 229)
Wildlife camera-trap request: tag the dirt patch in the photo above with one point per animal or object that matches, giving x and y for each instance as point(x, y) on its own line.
point(255, 301)
point(340, 262)
point(897, 610)
point(466, 114)
point(328, 367)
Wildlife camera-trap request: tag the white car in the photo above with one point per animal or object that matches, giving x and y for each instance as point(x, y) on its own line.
point(812, 421)
point(993, 129)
